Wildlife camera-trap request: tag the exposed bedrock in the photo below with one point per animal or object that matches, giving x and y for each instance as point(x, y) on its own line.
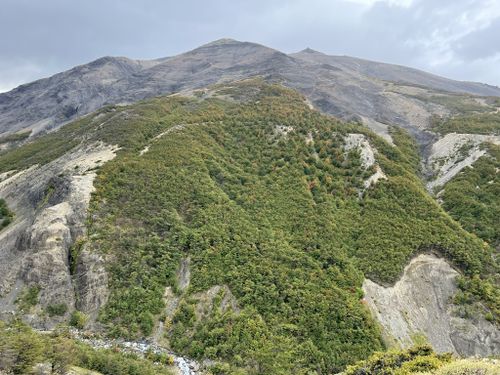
point(50, 205)
point(420, 303)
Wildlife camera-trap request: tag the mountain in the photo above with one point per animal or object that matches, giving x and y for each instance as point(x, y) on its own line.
point(210, 224)
point(397, 73)
point(206, 213)
point(378, 94)
point(51, 102)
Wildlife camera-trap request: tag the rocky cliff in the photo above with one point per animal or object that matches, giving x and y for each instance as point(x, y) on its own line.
point(420, 303)
point(50, 204)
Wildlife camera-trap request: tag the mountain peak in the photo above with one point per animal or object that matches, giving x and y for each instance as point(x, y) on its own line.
point(310, 50)
point(221, 41)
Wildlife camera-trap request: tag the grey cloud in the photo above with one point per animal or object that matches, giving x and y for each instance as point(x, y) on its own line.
point(480, 44)
point(40, 38)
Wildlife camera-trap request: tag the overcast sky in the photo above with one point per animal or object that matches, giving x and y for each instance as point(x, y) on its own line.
point(455, 38)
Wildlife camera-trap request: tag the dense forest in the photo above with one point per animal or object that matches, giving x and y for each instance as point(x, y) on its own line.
point(472, 197)
point(261, 196)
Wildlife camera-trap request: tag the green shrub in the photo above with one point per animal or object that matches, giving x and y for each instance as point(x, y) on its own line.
point(28, 298)
point(469, 367)
point(484, 123)
point(162, 358)
point(16, 137)
point(6, 215)
point(58, 309)
point(78, 319)
point(400, 362)
point(21, 349)
point(74, 253)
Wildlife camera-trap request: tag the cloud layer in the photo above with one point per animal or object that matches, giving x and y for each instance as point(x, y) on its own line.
point(459, 39)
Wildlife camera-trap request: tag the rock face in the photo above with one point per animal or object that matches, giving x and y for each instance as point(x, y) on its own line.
point(377, 94)
point(65, 96)
point(50, 203)
point(454, 152)
point(367, 156)
point(420, 303)
point(90, 283)
point(397, 73)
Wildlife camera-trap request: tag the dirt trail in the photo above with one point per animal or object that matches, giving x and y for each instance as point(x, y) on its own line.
point(169, 130)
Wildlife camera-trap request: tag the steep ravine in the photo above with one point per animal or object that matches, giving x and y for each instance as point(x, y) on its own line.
point(420, 303)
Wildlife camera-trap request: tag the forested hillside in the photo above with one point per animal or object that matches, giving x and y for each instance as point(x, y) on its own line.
point(472, 197)
point(284, 210)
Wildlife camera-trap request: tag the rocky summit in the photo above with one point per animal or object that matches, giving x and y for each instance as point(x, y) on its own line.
point(238, 210)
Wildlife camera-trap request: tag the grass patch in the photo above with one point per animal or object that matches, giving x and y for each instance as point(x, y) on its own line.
point(415, 360)
point(28, 298)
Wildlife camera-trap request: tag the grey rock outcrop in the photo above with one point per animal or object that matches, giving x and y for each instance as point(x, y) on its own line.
point(454, 152)
point(90, 283)
point(397, 73)
point(50, 204)
point(420, 303)
point(63, 97)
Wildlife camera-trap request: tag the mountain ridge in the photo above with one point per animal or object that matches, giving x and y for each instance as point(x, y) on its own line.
point(45, 104)
point(442, 83)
